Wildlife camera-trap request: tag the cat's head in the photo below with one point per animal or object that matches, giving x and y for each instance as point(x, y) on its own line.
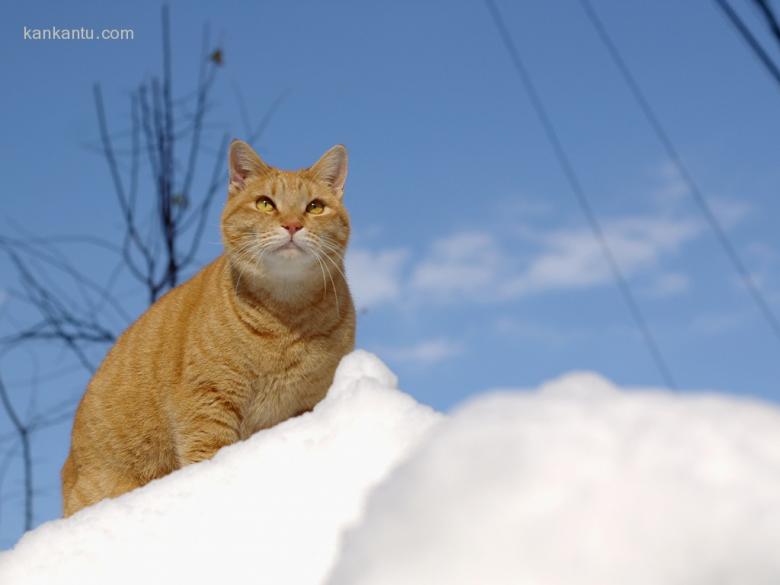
point(286, 224)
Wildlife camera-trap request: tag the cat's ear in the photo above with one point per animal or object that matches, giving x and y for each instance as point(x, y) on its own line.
point(332, 168)
point(243, 161)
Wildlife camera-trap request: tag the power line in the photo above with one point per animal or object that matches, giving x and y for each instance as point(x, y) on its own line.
point(769, 15)
point(693, 188)
point(750, 39)
point(581, 197)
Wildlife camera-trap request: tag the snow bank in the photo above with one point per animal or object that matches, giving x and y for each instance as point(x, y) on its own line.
point(576, 483)
point(268, 510)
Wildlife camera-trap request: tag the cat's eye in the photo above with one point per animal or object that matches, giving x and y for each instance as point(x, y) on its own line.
point(265, 205)
point(315, 207)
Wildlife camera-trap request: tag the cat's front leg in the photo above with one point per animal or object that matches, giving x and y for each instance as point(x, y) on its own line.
point(207, 421)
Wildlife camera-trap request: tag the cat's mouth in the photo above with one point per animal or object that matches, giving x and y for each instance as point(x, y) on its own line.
point(291, 245)
point(290, 249)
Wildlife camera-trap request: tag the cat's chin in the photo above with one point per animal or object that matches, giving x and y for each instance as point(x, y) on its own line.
point(289, 251)
point(289, 261)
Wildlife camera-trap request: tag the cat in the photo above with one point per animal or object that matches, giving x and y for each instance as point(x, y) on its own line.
point(251, 340)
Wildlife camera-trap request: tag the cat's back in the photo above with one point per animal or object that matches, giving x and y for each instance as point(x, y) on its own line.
point(123, 410)
point(150, 350)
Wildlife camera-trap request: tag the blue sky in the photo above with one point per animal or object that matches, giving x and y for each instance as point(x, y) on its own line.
point(470, 258)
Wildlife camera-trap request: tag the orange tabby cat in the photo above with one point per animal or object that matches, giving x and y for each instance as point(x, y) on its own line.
point(252, 340)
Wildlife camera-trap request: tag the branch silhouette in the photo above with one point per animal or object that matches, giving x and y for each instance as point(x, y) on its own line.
point(165, 183)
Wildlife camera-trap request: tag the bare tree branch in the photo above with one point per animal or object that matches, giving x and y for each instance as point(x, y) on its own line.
point(165, 180)
point(24, 438)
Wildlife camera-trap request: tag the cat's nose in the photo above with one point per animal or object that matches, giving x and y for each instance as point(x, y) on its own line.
point(292, 227)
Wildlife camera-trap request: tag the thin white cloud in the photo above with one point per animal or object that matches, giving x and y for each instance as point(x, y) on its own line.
point(673, 194)
point(717, 324)
point(536, 332)
point(487, 266)
point(425, 352)
point(375, 277)
point(730, 212)
point(572, 258)
point(762, 261)
point(465, 263)
point(668, 284)
point(477, 265)
point(672, 189)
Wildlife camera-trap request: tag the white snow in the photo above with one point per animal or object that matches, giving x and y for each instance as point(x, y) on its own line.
point(268, 510)
point(576, 483)
point(580, 483)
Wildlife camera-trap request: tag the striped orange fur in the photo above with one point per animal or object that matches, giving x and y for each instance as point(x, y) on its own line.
point(251, 340)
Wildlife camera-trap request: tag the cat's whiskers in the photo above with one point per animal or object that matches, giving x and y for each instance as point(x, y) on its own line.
point(328, 247)
point(319, 252)
point(322, 269)
point(337, 267)
point(332, 246)
point(248, 252)
point(309, 245)
point(324, 243)
point(267, 244)
point(335, 292)
point(241, 255)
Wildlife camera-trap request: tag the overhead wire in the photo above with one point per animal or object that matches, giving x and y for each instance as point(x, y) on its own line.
point(582, 199)
point(674, 156)
point(750, 39)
